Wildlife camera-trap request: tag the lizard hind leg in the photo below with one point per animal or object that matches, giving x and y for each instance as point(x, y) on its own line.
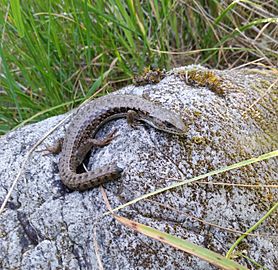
point(55, 148)
point(92, 142)
point(105, 141)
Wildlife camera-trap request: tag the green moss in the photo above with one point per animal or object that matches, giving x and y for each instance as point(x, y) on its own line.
point(198, 140)
point(259, 107)
point(149, 76)
point(204, 79)
point(197, 113)
point(263, 72)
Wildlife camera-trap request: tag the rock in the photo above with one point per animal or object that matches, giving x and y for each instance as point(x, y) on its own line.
point(231, 116)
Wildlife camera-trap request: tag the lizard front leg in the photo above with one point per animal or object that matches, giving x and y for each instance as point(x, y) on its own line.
point(132, 118)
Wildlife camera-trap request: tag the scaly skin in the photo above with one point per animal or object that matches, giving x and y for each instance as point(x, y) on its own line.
point(90, 118)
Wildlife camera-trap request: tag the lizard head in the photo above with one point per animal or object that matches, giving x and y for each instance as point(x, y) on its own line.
point(166, 121)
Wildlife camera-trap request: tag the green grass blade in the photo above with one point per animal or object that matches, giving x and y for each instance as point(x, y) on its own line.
point(254, 227)
point(16, 12)
point(110, 18)
point(95, 86)
point(215, 172)
point(256, 22)
point(229, 8)
point(30, 119)
point(11, 83)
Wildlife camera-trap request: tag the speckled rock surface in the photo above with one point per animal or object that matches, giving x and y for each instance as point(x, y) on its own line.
point(46, 226)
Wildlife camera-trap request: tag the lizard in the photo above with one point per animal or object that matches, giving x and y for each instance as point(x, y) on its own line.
point(79, 137)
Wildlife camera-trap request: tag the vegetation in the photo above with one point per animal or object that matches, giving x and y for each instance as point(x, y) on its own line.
point(54, 54)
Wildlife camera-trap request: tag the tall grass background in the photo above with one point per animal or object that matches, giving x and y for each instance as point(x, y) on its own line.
point(55, 54)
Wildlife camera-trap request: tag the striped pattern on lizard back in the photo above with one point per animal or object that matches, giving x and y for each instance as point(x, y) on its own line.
point(87, 122)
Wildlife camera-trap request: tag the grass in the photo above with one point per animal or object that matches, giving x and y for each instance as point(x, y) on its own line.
point(61, 52)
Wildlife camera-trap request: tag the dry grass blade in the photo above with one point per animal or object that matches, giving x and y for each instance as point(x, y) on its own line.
point(260, 98)
point(163, 205)
point(25, 161)
point(181, 244)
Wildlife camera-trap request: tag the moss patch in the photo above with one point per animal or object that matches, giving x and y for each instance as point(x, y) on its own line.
point(149, 76)
point(204, 79)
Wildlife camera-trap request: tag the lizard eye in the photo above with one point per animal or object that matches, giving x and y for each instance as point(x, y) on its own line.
point(169, 125)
